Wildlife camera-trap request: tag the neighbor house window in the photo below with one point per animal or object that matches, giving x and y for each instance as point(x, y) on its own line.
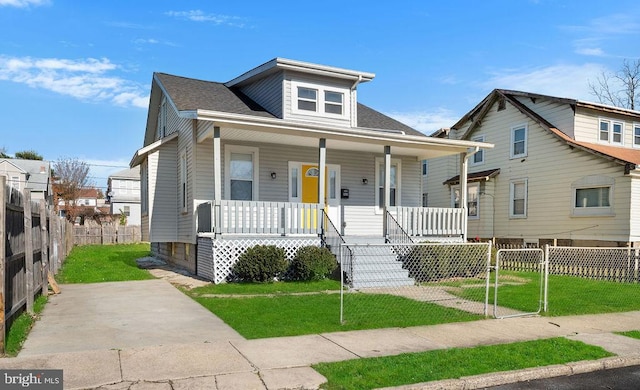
point(478, 157)
point(473, 193)
point(617, 133)
point(425, 167)
point(425, 199)
point(519, 141)
point(394, 197)
point(518, 199)
point(15, 182)
point(333, 102)
point(242, 176)
point(127, 211)
point(592, 197)
point(162, 119)
point(604, 131)
point(307, 99)
point(636, 135)
point(144, 187)
point(611, 131)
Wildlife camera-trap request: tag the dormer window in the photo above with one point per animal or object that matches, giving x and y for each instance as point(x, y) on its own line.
point(307, 99)
point(333, 102)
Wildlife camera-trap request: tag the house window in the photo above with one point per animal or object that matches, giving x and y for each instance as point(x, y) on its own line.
point(518, 141)
point(183, 181)
point(395, 174)
point(592, 196)
point(425, 199)
point(15, 183)
point(617, 133)
point(333, 184)
point(162, 119)
point(478, 157)
point(518, 199)
point(636, 135)
point(242, 177)
point(144, 189)
point(333, 102)
point(307, 99)
point(425, 167)
point(473, 192)
point(604, 131)
point(127, 211)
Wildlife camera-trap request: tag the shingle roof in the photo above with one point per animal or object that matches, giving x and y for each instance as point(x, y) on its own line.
point(475, 176)
point(191, 94)
point(39, 172)
point(131, 173)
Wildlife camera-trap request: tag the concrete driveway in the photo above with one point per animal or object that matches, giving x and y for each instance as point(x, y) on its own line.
point(117, 315)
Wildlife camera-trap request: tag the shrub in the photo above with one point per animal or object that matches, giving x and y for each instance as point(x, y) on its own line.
point(260, 263)
point(427, 263)
point(312, 263)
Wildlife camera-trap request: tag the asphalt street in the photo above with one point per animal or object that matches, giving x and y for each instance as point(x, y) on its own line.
point(626, 378)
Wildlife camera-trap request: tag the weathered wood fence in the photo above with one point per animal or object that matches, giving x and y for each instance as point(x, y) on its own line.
point(33, 243)
point(106, 234)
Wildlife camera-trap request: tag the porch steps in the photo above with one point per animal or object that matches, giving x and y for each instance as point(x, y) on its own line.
point(375, 265)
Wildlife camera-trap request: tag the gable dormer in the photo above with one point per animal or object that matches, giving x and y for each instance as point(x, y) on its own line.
point(301, 91)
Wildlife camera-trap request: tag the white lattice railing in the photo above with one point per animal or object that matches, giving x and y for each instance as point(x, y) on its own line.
point(430, 221)
point(249, 217)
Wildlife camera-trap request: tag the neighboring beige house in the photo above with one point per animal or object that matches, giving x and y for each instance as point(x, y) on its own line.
point(32, 174)
point(123, 193)
point(283, 154)
point(562, 169)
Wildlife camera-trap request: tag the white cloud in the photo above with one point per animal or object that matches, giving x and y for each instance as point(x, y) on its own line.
point(426, 122)
point(591, 51)
point(569, 81)
point(84, 79)
point(22, 3)
point(200, 16)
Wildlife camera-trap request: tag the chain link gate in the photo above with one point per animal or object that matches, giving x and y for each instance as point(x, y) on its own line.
point(524, 266)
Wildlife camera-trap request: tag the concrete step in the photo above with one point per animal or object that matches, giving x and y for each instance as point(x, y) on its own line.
point(387, 282)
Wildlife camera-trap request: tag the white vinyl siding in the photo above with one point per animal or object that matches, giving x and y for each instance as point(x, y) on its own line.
point(559, 114)
point(163, 195)
point(267, 92)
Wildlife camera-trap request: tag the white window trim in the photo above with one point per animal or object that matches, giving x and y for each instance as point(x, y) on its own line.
point(320, 101)
point(635, 126)
point(228, 149)
point(330, 167)
point(526, 140)
point(512, 183)
point(480, 138)
point(469, 186)
point(144, 188)
point(183, 182)
point(592, 182)
point(398, 163)
point(611, 123)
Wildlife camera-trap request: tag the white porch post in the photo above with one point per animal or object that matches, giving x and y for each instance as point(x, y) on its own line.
point(322, 164)
point(217, 181)
point(387, 188)
point(464, 158)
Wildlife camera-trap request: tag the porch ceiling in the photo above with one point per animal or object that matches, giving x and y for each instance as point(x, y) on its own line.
point(361, 140)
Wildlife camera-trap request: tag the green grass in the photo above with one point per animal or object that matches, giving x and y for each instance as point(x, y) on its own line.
point(292, 315)
point(632, 333)
point(567, 295)
point(19, 330)
point(414, 368)
point(104, 263)
point(268, 288)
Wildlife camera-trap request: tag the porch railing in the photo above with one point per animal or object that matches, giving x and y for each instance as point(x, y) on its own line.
point(431, 221)
point(395, 232)
point(249, 217)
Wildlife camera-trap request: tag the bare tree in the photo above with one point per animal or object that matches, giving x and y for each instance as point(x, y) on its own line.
point(70, 177)
point(620, 89)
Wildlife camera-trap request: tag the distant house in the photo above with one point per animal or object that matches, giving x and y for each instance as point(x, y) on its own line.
point(88, 204)
point(123, 193)
point(32, 174)
point(562, 170)
point(286, 155)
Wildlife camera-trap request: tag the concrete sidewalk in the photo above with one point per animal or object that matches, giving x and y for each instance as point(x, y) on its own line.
point(148, 335)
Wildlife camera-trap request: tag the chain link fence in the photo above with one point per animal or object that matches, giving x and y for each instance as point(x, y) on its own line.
point(414, 284)
point(516, 269)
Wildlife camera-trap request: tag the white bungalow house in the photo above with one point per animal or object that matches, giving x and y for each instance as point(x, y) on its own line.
point(32, 174)
point(562, 170)
point(123, 192)
point(281, 154)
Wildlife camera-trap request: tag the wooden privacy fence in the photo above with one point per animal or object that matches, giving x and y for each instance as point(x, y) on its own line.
point(33, 243)
point(106, 234)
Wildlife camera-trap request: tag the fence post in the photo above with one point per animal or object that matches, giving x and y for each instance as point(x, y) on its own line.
point(3, 236)
point(28, 248)
point(44, 254)
point(546, 277)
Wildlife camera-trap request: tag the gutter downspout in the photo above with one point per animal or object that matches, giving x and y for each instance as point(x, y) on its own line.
point(354, 102)
point(463, 188)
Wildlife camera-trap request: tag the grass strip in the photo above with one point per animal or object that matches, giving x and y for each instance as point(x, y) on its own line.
point(452, 363)
point(104, 263)
point(293, 315)
point(21, 326)
point(635, 334)
point(267, 288)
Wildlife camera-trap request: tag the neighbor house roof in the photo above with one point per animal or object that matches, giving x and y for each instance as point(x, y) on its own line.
point(191, 94)
point(619, 154)
point(131, 174)
point(475, 176)
point(38, 172)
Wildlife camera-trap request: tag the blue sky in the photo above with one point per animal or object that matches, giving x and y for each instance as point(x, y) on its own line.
point(75, 75)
